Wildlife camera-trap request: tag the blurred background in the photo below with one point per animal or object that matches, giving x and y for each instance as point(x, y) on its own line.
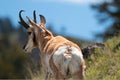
point(81, 21)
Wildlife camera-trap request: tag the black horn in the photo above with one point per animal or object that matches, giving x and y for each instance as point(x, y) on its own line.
point(34, 15)
point(22, 22)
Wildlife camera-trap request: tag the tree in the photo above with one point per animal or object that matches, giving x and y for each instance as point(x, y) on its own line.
point(14, 63)
point(108, 12)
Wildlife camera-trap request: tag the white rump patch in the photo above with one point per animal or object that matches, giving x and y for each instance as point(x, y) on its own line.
point(72, 62)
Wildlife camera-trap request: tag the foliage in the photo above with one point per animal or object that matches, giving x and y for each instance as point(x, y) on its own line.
point(108, 12)
point(104, 65)
point(14, 63)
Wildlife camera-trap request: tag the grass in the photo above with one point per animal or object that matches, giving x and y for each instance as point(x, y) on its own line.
point(103, 64)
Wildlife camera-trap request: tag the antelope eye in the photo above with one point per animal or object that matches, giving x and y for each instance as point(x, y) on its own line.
point(29, 33)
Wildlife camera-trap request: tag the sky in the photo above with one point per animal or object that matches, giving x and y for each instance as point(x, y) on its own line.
point(76, 16)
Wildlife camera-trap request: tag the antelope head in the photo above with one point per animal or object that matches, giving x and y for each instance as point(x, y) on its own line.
point(37, 34)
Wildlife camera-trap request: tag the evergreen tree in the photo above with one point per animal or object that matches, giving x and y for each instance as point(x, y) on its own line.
point(108, 11)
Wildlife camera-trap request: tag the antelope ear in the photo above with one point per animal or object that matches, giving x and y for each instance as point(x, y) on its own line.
point(43, 21)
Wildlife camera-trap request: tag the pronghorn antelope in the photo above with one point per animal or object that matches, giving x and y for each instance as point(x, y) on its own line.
point(60, 57)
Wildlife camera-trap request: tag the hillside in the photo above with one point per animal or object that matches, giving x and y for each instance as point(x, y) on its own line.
point(14, 63)
point(104, 65)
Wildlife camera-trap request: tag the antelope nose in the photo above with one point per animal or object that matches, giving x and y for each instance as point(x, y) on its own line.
point(24, 47)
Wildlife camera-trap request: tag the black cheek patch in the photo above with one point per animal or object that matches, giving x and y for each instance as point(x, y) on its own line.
point(34, 38)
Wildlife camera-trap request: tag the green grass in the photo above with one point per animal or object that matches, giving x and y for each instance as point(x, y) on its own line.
point(103, 64)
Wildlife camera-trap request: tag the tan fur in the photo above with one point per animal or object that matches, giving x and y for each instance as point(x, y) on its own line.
point(51, 46)
point(55, 42)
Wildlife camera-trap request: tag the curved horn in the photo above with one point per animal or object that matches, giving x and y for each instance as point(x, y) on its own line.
point(22, 22)
point(42, 18)
point(34, 15)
